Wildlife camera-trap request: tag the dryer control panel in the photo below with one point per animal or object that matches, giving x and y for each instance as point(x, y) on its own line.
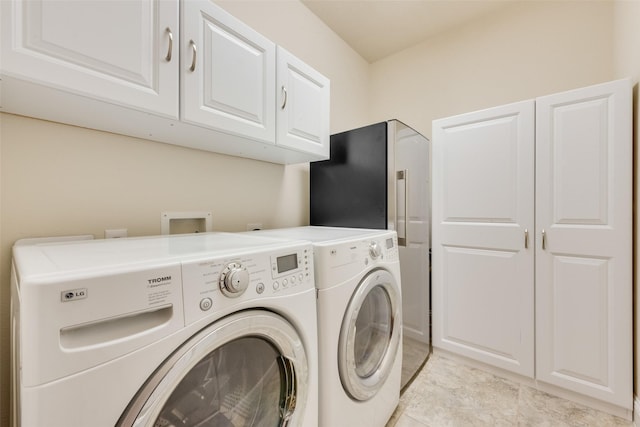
point(216, 285)
point(344, 260)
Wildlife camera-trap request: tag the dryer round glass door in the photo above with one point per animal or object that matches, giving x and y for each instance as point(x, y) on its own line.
point(249, 369)
point(370, 335)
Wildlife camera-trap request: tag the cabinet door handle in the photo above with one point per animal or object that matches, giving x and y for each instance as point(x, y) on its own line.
point(170, 50)
point(526, 238)
point(544, 240)
point(195, 54)
point(284, 96)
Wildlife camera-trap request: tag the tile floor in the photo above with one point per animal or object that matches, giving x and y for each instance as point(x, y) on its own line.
point(414, 354)
point(448, 393)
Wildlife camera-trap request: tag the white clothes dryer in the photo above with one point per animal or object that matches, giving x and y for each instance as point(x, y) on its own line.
point(357, 274)
point(212, 329)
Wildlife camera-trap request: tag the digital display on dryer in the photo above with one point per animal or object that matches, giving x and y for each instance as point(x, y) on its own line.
point(287, 262)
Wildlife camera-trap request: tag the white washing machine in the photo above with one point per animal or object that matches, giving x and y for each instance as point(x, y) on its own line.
point(212, 329)
point(359, 322)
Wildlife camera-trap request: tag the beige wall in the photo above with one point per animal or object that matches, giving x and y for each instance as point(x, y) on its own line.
point(519, 52)
point(59, 180)
point(627, 64)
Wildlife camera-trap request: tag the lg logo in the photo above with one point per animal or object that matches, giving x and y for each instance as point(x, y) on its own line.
point(73, 294)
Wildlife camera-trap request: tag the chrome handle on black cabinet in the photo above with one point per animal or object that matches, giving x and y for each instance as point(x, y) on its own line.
point(284, 95)
point(170, 50)
point(544, 240)
point(193, 58)
point(404, 175)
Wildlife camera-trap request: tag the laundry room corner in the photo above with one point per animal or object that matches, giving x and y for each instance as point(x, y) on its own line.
point(96, 174)
point(57, 179)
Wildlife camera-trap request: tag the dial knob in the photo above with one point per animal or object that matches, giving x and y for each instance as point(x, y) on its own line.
point(234, 280)
point(374, 250)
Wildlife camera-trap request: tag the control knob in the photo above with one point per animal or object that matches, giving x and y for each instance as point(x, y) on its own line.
point(234, 280)
point(374, 250)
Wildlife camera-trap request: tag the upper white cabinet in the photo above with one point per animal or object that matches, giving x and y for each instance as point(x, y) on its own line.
point(539, 282)
point(181, 72)
point(123, 52)
point(228, 74)
point(303, 107)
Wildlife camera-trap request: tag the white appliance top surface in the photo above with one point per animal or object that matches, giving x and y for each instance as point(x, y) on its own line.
point(319, 235)
point(67, 257)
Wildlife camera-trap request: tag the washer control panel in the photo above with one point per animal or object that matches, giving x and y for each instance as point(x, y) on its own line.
point(291, 265)
point(215, 285)
point(234, 279)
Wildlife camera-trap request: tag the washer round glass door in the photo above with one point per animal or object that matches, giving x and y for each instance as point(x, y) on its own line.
point(249, 369)
point(370, 335)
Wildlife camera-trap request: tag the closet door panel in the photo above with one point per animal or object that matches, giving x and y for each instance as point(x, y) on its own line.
point(482, 215)
point(583, 262)
point(472, 286)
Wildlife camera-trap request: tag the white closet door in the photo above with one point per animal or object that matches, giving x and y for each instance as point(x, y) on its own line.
point(483, 189)
point(584, 270)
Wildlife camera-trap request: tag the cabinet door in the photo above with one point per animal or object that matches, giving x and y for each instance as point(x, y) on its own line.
point(483, 189)
point(228, 73)
point(303, 107)
point(583, 262)
point(116, 51)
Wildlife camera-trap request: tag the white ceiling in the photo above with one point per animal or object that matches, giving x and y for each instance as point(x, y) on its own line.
point(378, 28)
